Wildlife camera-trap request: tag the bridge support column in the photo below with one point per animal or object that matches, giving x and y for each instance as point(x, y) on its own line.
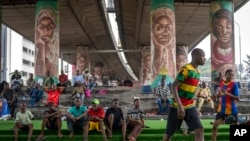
point(163, 41)
point(222, 37)
point(47, 39)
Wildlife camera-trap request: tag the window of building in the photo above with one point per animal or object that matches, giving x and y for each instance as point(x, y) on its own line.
point(33, 64)
point(25, 49)
point(25, 73)
point(26, 62)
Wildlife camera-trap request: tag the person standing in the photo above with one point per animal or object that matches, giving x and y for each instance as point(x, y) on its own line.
point(162, 92)
point(114, 119)
point(227, 109)
point(183, 106)
point(23, 121)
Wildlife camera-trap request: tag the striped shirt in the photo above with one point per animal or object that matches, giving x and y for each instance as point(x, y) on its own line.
point(189, 78)
point(228, 105)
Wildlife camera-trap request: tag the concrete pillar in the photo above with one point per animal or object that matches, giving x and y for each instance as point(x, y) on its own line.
point(47, 39)
point(163, 41)
point(82, 60)
point(222, 37)
point(181, 56)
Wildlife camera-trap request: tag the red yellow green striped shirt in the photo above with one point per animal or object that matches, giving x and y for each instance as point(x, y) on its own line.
point(189, 78)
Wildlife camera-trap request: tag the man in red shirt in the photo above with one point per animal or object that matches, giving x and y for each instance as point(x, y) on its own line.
point(63, 80)
point(95, 115)
point(54, 94)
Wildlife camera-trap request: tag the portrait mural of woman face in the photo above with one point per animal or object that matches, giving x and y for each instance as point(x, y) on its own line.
point(47, 43)
point(222, 50)
point(82, 61)
point(163, 41)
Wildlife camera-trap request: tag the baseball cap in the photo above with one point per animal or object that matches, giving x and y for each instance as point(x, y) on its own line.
point(96, 101)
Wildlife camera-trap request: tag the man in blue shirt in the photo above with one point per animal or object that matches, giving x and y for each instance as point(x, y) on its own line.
point(78, 77)
point(75, 117)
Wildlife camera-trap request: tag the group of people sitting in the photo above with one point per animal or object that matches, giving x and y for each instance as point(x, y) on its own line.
point(79, 117)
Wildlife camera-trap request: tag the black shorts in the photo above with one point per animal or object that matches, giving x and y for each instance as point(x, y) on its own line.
point(24, 127)
point(192, 119)
point(116, 125)
point(229, 119)
point(52, 124)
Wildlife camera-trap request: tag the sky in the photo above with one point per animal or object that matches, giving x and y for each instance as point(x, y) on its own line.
point(242, 17)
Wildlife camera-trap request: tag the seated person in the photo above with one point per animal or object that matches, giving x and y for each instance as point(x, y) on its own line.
point(114, 119)
point(48, 81)
point(10, 97)
point(23, 121)
point(52, 121)
point(135, 120)
point(53, 94)
point(63, 80)
point(204, 95)
point(75, 117)
point(36, 94)
point(128, 82)
point(163, 92)
point(95, 120)
point(79, 91)
point(17, 83)
point(4, 109)
point(30, 83)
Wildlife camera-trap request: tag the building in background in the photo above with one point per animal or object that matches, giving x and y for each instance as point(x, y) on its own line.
point(18, 53)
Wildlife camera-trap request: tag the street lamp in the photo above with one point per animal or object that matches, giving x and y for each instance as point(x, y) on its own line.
point(239, 46)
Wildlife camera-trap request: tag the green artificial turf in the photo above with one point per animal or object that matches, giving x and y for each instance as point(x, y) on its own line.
point(153, 133)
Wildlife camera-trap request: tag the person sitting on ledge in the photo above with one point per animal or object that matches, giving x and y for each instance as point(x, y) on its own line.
point(128, 82)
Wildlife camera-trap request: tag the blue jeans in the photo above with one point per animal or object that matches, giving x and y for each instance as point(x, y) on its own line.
point(160, 103)
point(91, 86)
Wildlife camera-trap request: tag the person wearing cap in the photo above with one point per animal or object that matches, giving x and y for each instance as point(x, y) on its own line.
point(95, 120)
point(52, 121)
point(47, 43)
point(76, 117)
point(135, 120)
point(114, 119)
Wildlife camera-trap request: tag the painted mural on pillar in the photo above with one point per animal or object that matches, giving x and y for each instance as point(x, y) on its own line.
point(163, 42)
point(46, 39)
point(181, 56)
point(146, 66)
point(82, 60)
point(98, 70)
point(222, 37)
